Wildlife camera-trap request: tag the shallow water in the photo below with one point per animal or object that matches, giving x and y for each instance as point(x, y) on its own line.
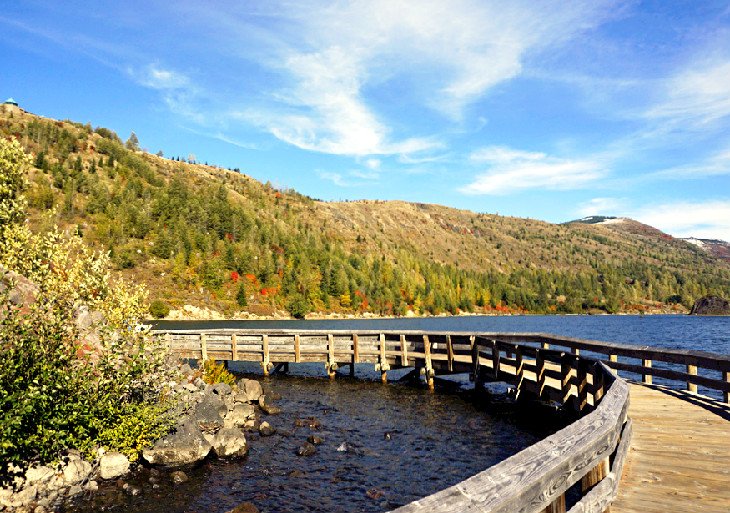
point(435, 440)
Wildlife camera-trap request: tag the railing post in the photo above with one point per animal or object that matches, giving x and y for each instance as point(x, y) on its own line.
point(403, 351)
point(297, 350)
point(331, 367)
point(539, 372)
point(518, 369)
point(495, 359)
point(355, 348)
point(234, 347)
point(646, 375)
point(692, 371)
point(613, 358)
point(545, 345)
point(594, 476)
point(450, 353)
point(265, 347)
point(474, 359)
point(427, 358)
point(557, 506)
point(566, 369)
point(203, 347)
point(582, 384)
point(383, 360)
point(576, 351)
point(726, 394)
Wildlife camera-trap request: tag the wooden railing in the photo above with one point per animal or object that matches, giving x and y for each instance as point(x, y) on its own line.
point(591, 451)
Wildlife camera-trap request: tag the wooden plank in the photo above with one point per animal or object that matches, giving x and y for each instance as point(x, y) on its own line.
point(265, 348)
point(355, 348)
point(203, 347)
point(557, 506)
point(726, 394)
point(234, 347)
point(404, 351)
point(450, 353)
point(297, 348)
point(715, 384)
point(427, 358)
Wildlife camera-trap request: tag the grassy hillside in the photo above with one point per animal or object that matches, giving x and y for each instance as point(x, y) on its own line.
point(201, 235)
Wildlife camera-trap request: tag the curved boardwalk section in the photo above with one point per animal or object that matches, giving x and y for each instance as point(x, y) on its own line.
point(680, 454)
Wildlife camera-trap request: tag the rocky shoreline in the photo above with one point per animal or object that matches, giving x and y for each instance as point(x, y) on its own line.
point(212, 422)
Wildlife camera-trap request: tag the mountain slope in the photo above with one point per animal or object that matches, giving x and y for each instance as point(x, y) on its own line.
point(206, 236)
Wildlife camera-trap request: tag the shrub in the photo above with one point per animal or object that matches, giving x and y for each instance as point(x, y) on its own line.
point(216, 373)
point(159, 309)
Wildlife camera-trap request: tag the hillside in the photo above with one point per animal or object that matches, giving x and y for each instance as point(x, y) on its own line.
point(212, 237)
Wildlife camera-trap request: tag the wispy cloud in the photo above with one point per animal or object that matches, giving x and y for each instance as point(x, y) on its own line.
point(716, 165)
point(601, 206)
point(510, 170)
point(704, 219)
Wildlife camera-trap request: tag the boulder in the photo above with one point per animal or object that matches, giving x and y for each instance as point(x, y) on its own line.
point(238, 416)
point(39, 474)
point(229, 442)
point(251, 390)
point(187, 445)
point(113, 465)
point(76, 471)
point(246, 507)
point(711, 305)
point(208, 414)
point(221, 389)
point(22, 292)
point(267, 407)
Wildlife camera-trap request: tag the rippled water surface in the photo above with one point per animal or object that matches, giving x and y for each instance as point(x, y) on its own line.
point(435, 440)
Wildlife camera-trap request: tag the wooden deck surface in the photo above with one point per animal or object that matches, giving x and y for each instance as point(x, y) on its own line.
point(679, 458)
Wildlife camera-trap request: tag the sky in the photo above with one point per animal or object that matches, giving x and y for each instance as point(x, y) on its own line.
point(548, 110)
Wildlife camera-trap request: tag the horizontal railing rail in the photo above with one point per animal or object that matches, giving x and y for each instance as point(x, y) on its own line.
point(591, 450)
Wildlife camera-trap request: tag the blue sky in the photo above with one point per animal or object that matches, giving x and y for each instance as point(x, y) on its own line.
point(549, 110)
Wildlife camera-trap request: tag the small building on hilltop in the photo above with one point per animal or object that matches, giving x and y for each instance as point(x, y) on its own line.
point(10, 101)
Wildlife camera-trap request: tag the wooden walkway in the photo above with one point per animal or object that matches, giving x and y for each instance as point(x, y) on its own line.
point(679, 458)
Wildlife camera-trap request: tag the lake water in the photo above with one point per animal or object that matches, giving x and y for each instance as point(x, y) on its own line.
point(435, 440)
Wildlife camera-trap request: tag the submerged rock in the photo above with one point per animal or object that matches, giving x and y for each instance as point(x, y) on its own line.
point(179, 477)
point(267, 407)
point(246, 507)
point(306, 449)
point(315, 440)
point(266, 429)
point(187, 445)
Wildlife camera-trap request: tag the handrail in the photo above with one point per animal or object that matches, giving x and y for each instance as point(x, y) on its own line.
point(533, 480)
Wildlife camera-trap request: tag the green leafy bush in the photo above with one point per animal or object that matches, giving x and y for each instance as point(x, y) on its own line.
point(216, 373)
point(159, 309)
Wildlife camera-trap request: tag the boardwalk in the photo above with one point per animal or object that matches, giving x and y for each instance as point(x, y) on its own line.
point(679, 458)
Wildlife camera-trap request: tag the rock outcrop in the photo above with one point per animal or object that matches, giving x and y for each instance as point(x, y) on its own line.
point(711, 305)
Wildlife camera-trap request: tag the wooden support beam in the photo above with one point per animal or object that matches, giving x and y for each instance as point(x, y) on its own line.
point(234, 347)
point(297, 351)
point(403, 351)
point(594, 476)
point(203, 347)
point(474, 358)
point(450, 353)
point(265, 363)
point(519, 371)
point(427, 357)
point(557, 506)
point(566, 371)
point(726, 395)
point(646, 376)
point(692, 371)
point(576, 351)
point(545, 345)
point(582, 385)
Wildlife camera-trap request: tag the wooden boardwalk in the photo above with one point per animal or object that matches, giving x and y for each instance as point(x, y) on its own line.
point(679, 458)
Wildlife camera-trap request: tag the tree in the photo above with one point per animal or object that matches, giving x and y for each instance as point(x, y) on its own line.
point(132, 143)
point(241, 298)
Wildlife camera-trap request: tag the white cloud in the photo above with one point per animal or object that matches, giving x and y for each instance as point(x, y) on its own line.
point(373, 164)
point(716, 165)
point(696, 96)
point(512, 170)
point(706, 220)
point(335, 178)
point(601, 206)
point(156, 77)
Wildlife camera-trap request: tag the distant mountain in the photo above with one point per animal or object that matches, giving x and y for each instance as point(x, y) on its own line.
point(715, 247)
point(216, 238)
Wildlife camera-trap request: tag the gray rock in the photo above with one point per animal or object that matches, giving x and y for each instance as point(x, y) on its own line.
point(179, 477)
point(230, 442)
point(251, 389)
point(39, 474)
point(74, 491)
point(24, 496)
point(22, 292)
point(240, 413)
point(76, 471)
point(91, 486)
point(113, 465)
point(187, 445)
point(266, 429)
point(221, 389)
point(315, 440)
point(268, 408)
point(246, 507)
point(208, 414)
